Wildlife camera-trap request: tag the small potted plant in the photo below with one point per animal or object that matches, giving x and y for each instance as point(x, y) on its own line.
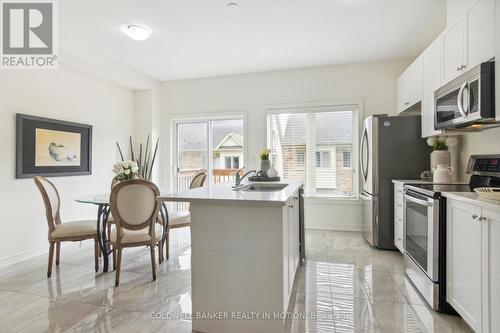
point(125, 170)
point(265, 163)
point(440, 153)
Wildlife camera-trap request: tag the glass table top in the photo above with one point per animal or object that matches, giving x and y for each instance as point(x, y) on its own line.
point(94, 199)
point(97, 199)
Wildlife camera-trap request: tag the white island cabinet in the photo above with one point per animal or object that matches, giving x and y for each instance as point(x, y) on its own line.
point(472, 265)
point(244, 256)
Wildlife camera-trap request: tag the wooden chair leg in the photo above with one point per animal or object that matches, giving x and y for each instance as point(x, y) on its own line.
point(51, 257)
point(96, 254)
point(118, 266)
point(58, 253)
point(153, 262)
point(114, 259)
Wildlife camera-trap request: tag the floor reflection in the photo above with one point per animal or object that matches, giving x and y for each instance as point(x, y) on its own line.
point(345, 286)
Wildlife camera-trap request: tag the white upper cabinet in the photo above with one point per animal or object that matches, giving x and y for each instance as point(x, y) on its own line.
point(454, 50)
point(432, 79)
point(410, 86)
point(469, 40)
point(481, 32)
point(455, 9)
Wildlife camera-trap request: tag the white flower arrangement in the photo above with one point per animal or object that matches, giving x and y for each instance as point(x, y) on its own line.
point(125, 170)
point(442, 142)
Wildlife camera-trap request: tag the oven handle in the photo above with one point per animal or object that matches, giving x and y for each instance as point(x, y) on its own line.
point(418, 201)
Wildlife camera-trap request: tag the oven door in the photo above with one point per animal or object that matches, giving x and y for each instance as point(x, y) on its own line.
point(421, 232)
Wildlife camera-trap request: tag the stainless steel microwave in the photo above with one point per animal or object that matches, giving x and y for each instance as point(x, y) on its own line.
point(467, 102)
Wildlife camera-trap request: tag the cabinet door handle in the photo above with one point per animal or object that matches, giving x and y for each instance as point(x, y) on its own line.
point(482, 218)
point(290, 206)
point(407, 103)
point(475, 216)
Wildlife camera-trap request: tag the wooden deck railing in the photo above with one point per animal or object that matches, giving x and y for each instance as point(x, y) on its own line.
point(185, 178)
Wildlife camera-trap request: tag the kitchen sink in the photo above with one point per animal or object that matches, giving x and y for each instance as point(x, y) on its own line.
point(262, 187)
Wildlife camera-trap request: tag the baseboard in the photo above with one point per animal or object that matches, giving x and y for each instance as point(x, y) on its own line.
point(30, 254)
point(334, 226)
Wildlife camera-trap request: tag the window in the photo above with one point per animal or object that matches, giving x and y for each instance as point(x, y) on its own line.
point(346, 159)
point(227, 162)
point(317, 145)
point(322, 159)
point(300, 159)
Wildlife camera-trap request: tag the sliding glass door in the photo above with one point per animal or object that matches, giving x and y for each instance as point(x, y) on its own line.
point(214, 146)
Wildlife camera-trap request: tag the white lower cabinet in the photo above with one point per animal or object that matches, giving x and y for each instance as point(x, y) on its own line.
point(398, 216)
point(491, 322)
point(290, 245)
point(472, 265)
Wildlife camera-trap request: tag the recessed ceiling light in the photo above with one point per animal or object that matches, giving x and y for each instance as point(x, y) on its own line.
point(137, 32)
point(232, 5)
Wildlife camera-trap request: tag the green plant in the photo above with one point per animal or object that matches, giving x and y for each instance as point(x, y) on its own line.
point(146, 159)
point(264, 154)
point(437, 143)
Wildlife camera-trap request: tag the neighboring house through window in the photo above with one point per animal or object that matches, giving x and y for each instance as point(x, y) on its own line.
point(317, 145)
point(323, 159)
point(346, 159)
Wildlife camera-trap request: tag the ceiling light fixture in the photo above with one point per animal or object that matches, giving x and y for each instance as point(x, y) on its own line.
point(232, 5)
point(137, 32)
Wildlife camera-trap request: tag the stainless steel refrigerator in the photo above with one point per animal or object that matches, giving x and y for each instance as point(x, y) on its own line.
point(391, 148)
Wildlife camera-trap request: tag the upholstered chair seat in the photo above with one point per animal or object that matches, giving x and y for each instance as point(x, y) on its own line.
point(75, 229)
point(137, 236)
point(179, 217)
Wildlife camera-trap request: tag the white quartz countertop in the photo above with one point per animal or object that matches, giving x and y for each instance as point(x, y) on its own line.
point(474, 199)
point(225, 192)
point(411, 181)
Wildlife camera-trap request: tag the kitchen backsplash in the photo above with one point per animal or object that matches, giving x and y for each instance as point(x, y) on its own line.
point(485, 142)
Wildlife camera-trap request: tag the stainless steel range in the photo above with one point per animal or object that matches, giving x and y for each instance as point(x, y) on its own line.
point(425, 228)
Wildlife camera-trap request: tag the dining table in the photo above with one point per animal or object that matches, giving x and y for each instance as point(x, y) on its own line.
point(101, 200)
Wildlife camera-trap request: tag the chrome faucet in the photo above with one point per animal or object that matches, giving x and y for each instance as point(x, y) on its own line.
point(238, 178)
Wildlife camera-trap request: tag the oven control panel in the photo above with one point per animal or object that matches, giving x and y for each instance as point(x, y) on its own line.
point(484, 164)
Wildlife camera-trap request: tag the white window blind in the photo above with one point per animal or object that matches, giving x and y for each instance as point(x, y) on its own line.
point(310, 144)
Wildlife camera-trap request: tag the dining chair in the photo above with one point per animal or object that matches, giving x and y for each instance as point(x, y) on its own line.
point(181, 219)
point(62, 232)
point(135, 211)
point(111, 222)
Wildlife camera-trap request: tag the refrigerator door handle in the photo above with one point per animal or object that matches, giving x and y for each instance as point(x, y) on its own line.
point(364, 168)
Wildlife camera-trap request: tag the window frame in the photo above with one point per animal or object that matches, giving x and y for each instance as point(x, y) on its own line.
point(355, 106)
point(175, 120)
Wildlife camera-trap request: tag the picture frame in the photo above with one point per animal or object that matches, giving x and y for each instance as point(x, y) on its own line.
point(52, 148)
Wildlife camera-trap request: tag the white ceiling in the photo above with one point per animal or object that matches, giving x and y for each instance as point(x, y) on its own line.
point(204, 38)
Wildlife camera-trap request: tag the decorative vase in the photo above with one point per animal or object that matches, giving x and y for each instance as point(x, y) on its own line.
point(265, 165)
point(440, 157)
point(272, 172)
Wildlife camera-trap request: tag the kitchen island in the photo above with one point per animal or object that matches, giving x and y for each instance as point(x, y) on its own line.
point(245, 251)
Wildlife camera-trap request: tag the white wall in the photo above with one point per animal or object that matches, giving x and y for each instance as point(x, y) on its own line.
point(63, 94)
point(372, 83)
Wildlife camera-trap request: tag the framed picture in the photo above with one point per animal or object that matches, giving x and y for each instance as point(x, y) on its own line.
point(52, 148)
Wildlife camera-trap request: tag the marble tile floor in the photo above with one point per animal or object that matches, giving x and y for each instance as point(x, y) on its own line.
point(345, 286)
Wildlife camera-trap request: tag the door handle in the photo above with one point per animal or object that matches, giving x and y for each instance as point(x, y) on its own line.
point(418, 201)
